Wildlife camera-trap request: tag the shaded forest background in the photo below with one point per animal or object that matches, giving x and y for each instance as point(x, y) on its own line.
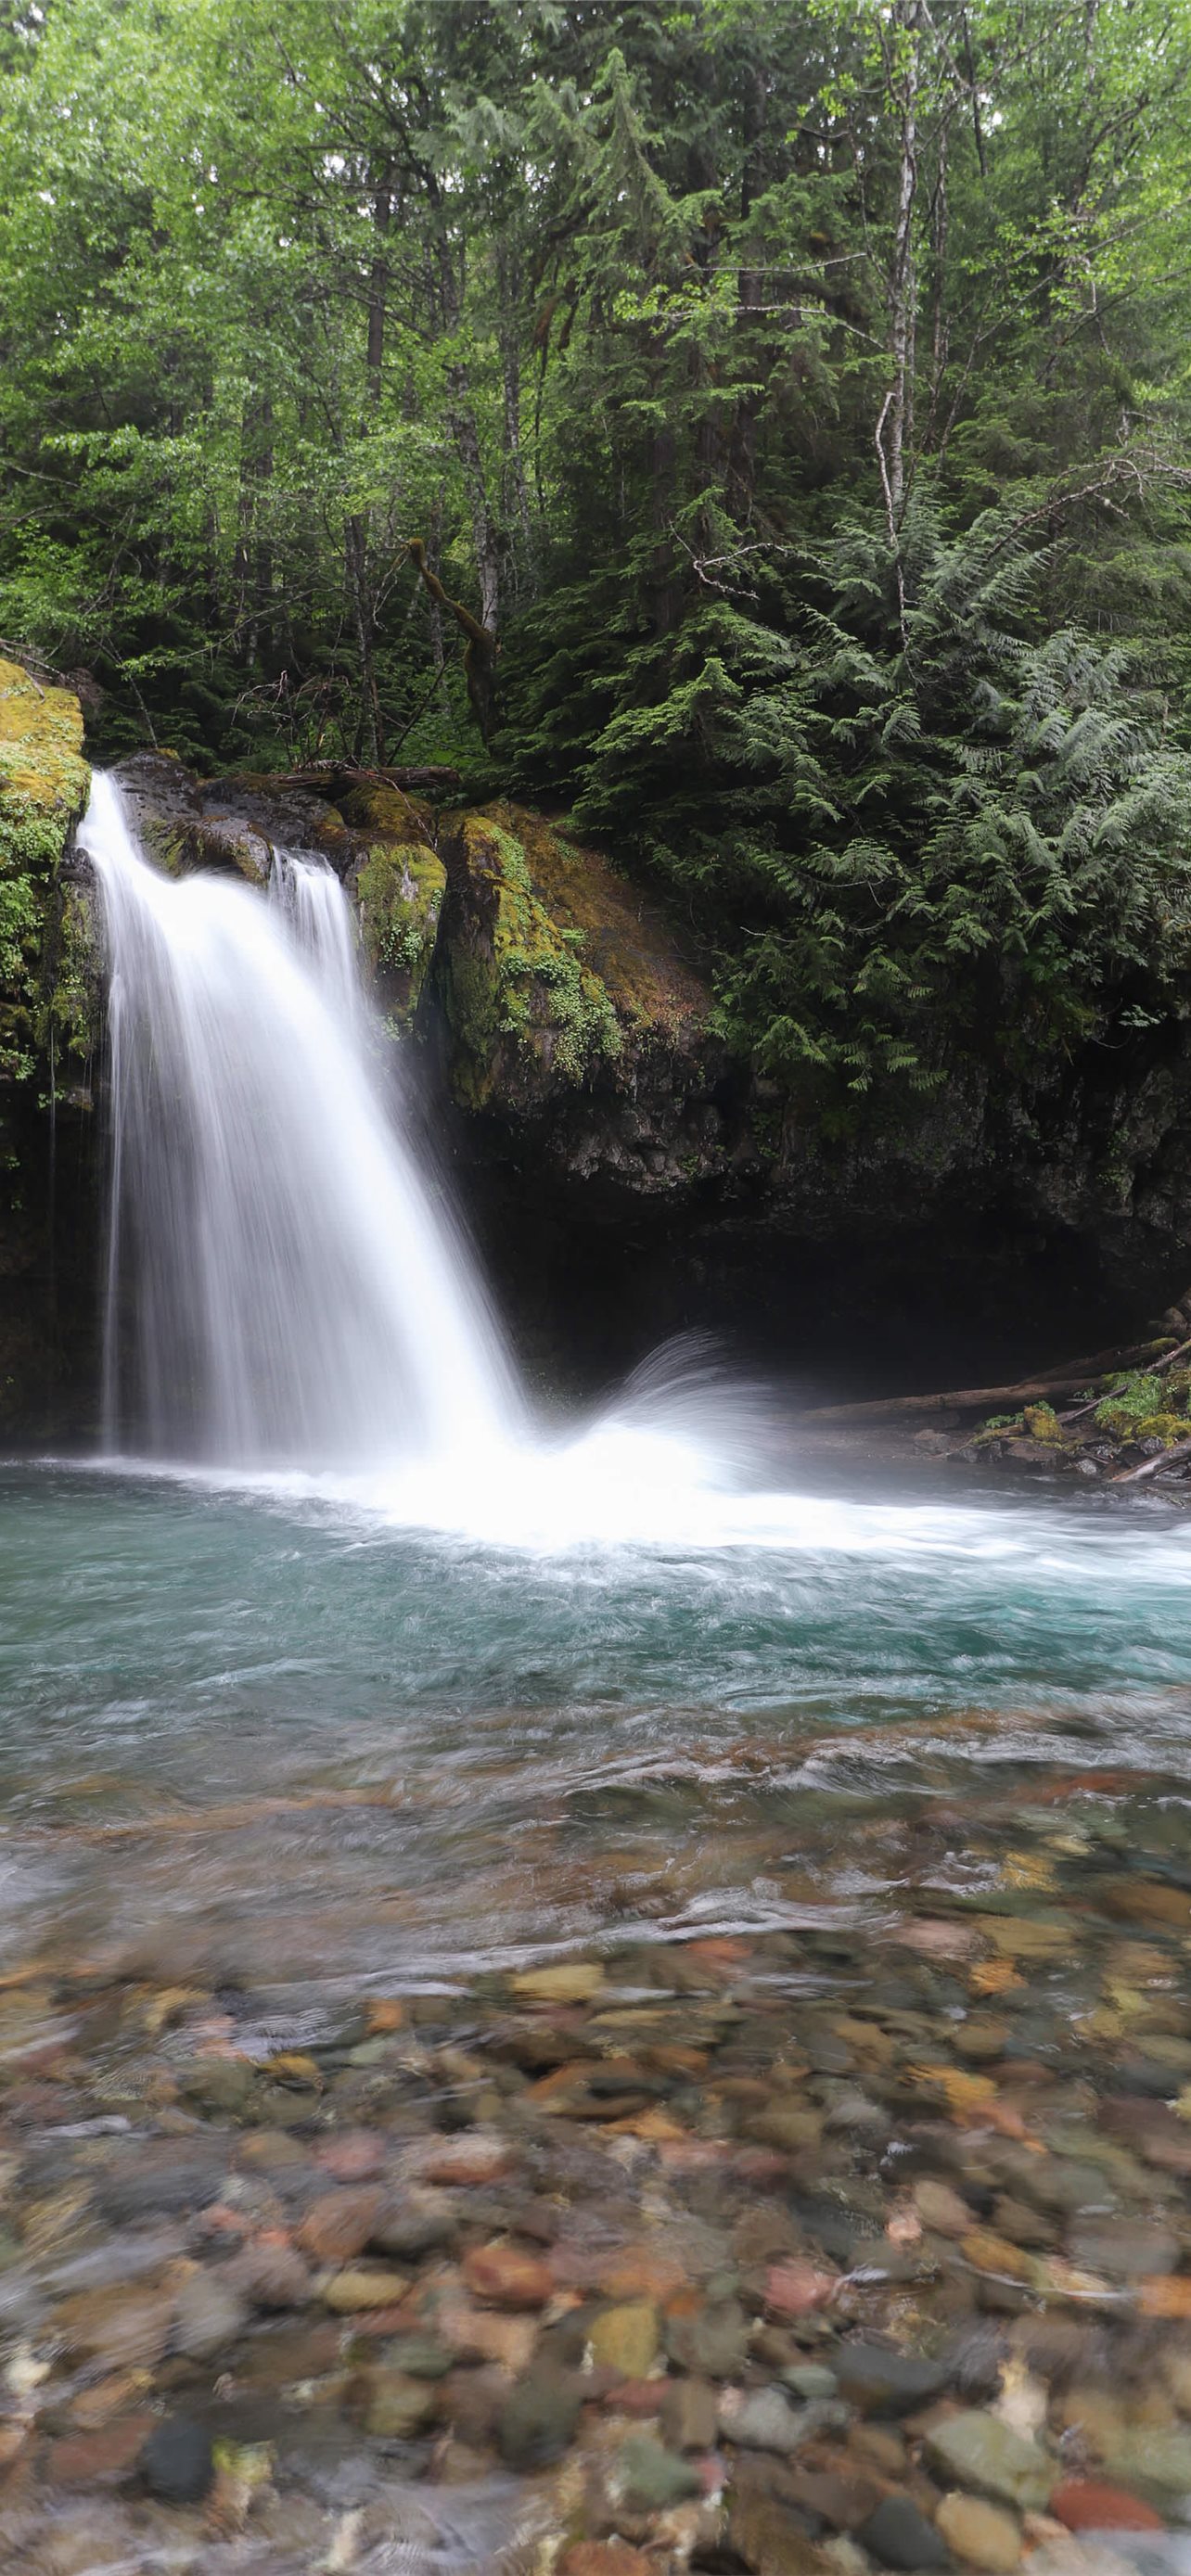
point(791, 399)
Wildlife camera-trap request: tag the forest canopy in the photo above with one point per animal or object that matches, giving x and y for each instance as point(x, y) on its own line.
point(789, 400)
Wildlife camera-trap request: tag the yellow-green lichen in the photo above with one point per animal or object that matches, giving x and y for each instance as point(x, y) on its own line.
point(399, 889)
point(43, 786)
point(1042, 1423)
point(520, 972)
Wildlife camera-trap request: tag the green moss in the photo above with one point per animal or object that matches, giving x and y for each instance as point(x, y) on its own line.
point(71, 1013)
point(42, 769)
point(400, 889)
point(1042, 1423)
point(524, 977)
point(43, 786)
point(1141, 1406)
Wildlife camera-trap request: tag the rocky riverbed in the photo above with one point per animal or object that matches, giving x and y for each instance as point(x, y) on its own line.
point(857, 2246)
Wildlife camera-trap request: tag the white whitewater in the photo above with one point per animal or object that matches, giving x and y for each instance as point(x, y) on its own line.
point(284, 1289)
point(321, 923)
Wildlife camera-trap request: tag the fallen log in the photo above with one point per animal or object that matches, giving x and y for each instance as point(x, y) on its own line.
point(341, 775)
point(1154, 1368)
point(1071, 1380)
point(1151, 1466)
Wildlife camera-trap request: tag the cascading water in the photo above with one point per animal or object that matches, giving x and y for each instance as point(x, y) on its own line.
point(284, 1287)
point(312, 901)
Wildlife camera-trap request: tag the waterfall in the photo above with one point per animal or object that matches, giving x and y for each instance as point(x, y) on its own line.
point(286, 1288)
point(309, 894)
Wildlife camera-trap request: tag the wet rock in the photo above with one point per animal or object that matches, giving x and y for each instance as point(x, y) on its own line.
point(1022, 2225)
point(982, 2535)
point(210, 2314)
point(798, 2289)
point(648, 2478)
point(340, 2224)
point(470, 2162)
point(883, 2382)
point(789, 2126)
point(122, 2328)
point(356, 2155)
point(844, 2502)
point(987, 2252)
point(625, 2338)
point(1153, 2459)
point(898, 2535)
point(809, 2379)
point(397, 2406)
point(976, 2449)
point(536, 2423)
point(101, 2458)
point(1124, 2249)
point(876, 2447)
point(484, 2334)
point(572, 1981)
point(422, 2356)
point(762, 2419)
point(177, 2462)
point(271, 2275)
point(688, 2413)
point(940, 2208)
point(1091, 2504)
point(219, 2086)
point(164, 2181)
point(505, 2277)
point(358, 2288)
point(771, 2539)
point(710, 2340)
point(411, 2224)
point(606, 2558)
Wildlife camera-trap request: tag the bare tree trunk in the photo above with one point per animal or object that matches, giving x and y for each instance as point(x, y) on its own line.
point(356, 552)
point(749, 294)
point(941, 336)
point(438, 648)
point(485, 537)
point(902, 285)
point(461, 419)
point(517, 491)
point(378, 286)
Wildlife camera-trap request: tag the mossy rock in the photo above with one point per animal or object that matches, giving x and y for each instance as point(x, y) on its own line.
point(557, 975)
point(400, 887)
point(43, 788)
point(1042, 1423)
point(185, 826)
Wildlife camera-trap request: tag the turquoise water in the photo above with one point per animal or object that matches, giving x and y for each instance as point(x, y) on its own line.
point(284, 1737)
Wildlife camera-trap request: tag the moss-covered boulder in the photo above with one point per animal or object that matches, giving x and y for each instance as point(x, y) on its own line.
point(49, 1022)
point(570, 1005)
point(43, 788)
point(573, 1014)
point(399, 882)
point(185, 825)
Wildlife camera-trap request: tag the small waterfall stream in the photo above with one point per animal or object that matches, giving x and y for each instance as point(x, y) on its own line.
point(285, 1286)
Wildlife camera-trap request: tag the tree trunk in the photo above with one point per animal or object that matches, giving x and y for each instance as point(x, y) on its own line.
point(356, 552)
point(485, 537)
point(378, 286)
point(900, 428)
point(516, 497)
point(750, 289)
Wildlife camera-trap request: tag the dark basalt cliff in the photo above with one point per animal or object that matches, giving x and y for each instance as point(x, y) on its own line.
point(563, 1037)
